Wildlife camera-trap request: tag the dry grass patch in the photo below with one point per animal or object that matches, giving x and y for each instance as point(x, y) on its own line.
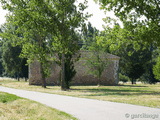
point(140, 94)
point(23, 109)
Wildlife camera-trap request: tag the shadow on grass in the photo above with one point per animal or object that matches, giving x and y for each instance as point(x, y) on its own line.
point(123, 94)
point(132, 86)
point(121, 90)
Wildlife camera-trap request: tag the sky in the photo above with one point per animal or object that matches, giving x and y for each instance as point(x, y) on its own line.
point(93, 8)
point(2, 15)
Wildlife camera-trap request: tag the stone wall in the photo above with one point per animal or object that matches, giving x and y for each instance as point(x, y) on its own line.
point(82, 77)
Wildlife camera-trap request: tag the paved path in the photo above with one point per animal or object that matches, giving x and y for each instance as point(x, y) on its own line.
point(88, 109)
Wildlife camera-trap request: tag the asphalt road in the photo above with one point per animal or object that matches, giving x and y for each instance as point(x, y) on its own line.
point(88, 109)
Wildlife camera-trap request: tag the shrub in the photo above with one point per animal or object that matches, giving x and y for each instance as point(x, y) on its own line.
point(156, 69)
point(123, 78)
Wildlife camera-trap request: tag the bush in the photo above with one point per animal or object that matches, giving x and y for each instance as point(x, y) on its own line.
point(123, 78)
point(148, 78)
point(156, 69)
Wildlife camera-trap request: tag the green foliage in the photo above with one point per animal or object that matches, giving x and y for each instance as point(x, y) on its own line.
point(68, 19)
point(116, 38)
point(123, 78)
point(113, 38)
point(31, 32)
point(134, 65)
point(45, 28)
point(1, 69)
point(1, 66)
point(148, 77)
point(88, 36)
point(156, 69)
point(70, 71)
point(150, 9)
point(135, 71)
point(14, 66)
point(141, 26)
point(130, 46)
point(144, 16)
point(5, 97)
point(97, 61)
point(10, 58)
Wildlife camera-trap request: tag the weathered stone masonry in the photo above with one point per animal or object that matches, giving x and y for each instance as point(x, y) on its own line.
point(109, 76)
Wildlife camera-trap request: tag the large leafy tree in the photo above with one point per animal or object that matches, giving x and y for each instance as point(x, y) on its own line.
point(133, 65)
point(135, 54)
point(141, 13)
point(88, 36)
point(69, 18)
point(156, 69)
point(1, 67)
point(11, 60)
point(140, 17)
point(148, 8)
point(40, 20)
point(29, 32)
point(14, 66)
point(97, 61)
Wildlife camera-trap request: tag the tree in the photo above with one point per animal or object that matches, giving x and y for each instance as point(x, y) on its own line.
point(133, 61)
point(97, 61)
point(140, 20)
point(70, 72)
point(135, 55)
point(133, 65)
point(1, 66)
point(29, 32)
point(11, 60)
point(149, 8)
point(149, 76)
point(88, 36)
point(156, 69)
point(68, 19)
point(130, 12)
point(38, 19)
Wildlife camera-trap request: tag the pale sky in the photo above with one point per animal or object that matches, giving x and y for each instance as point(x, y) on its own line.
point(96, 19)
point(2, 15)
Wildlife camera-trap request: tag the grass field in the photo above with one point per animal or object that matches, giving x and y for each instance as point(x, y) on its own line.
point(16, 108)
point(140, 94)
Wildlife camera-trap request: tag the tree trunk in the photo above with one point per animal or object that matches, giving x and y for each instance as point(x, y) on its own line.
point(135, 81)
point(18, 77)
point(99, 73)
point(43, 76)
point(132, 81)
point(25, 79)
point(63, 81)
point(99, 82)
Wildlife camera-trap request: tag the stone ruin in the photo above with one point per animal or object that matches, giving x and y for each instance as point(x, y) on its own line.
point(82, 77)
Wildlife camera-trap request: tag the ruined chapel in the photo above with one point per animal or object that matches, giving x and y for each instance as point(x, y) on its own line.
point(82, 77)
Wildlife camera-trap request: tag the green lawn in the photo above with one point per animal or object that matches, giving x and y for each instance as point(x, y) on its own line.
point(140, 94)
point(16, 108)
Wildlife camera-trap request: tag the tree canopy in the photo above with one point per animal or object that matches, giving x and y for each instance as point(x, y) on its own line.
point(46, 27)
point(143, 14)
